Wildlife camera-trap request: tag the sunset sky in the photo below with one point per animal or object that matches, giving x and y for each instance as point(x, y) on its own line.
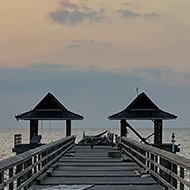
point(92, 54)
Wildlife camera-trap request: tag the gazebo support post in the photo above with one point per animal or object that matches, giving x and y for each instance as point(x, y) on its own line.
point(123, 129)
point(68, 128)
point(33, 128)
point(158, 128)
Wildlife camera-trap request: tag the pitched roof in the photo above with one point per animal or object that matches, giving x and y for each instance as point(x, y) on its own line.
point(49, 108)
point(142, 108)
point(49, 102)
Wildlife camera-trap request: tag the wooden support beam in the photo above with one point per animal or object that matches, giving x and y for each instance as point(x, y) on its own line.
point(158, 127)
point(123, 130)
point(33, 128)
point(136, 133)
point(68, 128)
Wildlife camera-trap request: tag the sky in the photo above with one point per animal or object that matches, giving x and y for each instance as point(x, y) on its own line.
point(92, 55)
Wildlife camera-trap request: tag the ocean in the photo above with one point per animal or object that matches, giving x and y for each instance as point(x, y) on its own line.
point(182, 137)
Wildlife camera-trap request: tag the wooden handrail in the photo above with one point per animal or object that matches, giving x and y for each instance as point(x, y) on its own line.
point(20, 171)
point(166, 167)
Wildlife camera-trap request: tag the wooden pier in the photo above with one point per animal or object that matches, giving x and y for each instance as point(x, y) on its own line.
point(62, 163)
point(97, 171)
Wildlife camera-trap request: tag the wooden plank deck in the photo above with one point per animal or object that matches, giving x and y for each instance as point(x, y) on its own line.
point(95, 169)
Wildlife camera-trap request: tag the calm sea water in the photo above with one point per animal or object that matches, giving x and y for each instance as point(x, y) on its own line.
point(49, 135)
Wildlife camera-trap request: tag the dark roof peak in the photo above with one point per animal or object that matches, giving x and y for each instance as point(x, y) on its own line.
point(142, 108)
point(49, 108)
point(49, 102)
point(142, 102)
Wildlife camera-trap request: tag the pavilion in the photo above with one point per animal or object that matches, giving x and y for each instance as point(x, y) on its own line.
point(142, 108)
point(49, 108)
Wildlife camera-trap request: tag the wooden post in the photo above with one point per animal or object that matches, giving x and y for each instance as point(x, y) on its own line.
point(18, 170)
point(158, 131)
point(25, 177)
point(68, 128)
point(164, 175)
point(10, 176)
point(182, 176)
point(2, 179)
point(35, 167)
point(152, 165)
point(33, 128)
point(174, 170)
point(156, 167)
point(40, 162)
point(123, 130)
point(148, 162)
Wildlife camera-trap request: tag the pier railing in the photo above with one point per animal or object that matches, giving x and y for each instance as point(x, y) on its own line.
point(171, 170)
point(20, 171)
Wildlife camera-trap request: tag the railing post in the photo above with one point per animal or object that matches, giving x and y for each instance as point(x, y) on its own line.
point(163, 174)
point(152, 165)
point(44, 162)
point(30, 171)
point(35, 167)
point(39, 165)
point(11, 175)
point(2, 179)
point(148, 162)
point(182, 176)
point(174, 170)
point(26, 176)
point(156, 160)
point(144, 160)
point(18, 170)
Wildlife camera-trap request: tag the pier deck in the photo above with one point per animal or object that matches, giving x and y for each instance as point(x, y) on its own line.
point(97, 171)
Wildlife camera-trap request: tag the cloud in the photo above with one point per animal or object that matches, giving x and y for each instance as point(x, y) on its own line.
point(151, 15)
point(64, 4)
point(54, 75)
point(48, 67)
point(161, 75)
point(60, 17)
point(70, 14)
point(93, 69)
point(79, 16)
point(85, 7)
point(128, 14)
point(154, 71)
point(76, 44)
point(128, 4)
point(92, 93)
point(73, 17)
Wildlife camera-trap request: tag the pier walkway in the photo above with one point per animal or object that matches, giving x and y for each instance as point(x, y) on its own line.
point(93, 169)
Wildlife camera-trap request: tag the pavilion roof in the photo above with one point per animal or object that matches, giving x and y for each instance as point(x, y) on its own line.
point(142, 108)
point(49, 108)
